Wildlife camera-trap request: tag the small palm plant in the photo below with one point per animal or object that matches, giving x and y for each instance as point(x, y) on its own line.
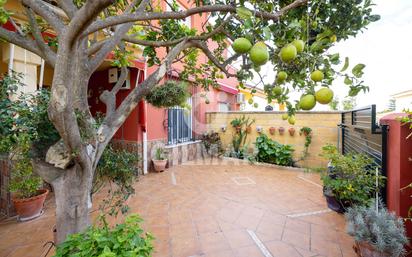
point(377, 231)
point(159, 160)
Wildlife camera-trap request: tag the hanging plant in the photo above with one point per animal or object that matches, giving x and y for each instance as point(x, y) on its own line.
point(170, 94)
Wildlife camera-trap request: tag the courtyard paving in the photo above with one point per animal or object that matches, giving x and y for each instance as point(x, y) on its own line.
point(216, 209)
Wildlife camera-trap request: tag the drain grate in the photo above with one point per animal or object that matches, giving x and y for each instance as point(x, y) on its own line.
point(242, 181)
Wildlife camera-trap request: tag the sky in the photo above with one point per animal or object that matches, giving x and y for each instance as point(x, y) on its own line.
point(386, 49)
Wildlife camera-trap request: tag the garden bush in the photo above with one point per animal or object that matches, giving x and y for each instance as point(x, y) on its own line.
point(352, 180)
point(126, 239)
point(118, 167)
point(270, 151)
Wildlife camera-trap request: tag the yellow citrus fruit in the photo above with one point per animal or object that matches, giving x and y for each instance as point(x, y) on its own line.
point(324, 95)
point(299, 44)
point(256, 105)
point(292, 120)
point(277, 90)
point(241, 45)
point(333, 38)
point(288, 53)
point(317, 76)
point(259, 54)
point(307, 102)
point(285, 116)
point(250, 101)
point(282, 76)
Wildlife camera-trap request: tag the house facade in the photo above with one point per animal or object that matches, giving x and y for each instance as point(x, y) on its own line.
point(403, 100)
point(147, 127)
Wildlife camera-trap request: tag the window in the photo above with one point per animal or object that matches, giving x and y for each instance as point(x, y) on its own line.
point(179, 126)
point(223, 107)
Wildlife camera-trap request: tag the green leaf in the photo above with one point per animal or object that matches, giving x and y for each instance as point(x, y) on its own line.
point(357, 71)
point(267, 33)
point(347, 81)
point(243, 12)
point(346, 65)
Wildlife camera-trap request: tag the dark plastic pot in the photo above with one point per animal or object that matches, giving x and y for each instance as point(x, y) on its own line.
point(334, 204)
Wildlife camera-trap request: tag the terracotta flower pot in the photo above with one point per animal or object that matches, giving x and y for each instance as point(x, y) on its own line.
point(238, 128)
point(272, 130)
point(159, 165)
point(292, 131)
point(30, 208)
point(364, 249)
point(306, 133)
point(281, 130)
point(248, 129)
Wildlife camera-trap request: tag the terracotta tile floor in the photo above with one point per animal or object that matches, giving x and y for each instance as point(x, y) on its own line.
point(211, 211)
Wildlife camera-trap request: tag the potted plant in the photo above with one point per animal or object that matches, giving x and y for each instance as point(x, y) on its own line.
point(350, 179)
point(249, 125)
point(291, 131)
point(377, 232)
point(28, 198)
point(160, 160)
point(281, 130)
point(237, 124)
point(272, 130)
point(306, 131)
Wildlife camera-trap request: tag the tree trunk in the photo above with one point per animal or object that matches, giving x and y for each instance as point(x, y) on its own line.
point(72, 191)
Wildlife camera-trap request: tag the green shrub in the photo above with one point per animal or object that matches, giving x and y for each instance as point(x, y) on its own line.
point(25, 132)
point(119, 168)
point(8, 87)
point(378, 227)
point(353, 177)
point(23, 181)
point(126, 239)
point(168, 95)
point(270, 151)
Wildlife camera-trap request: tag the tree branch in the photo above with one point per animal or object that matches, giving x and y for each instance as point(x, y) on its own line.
point(23, 42)
point(148, 16)
point(68, 7)
point(205, 49)
point(46, 171)
point(84, 17)
point(49, 55)
point(205, 36)
point(115, 39)
point(46, 13)
point(109, 97)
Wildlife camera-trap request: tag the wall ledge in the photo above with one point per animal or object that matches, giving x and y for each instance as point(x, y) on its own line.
point(277, 112)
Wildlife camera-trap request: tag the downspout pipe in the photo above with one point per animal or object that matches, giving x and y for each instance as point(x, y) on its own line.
point(144, 129)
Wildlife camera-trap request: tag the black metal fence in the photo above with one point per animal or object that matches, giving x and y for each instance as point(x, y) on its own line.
point(361, 133)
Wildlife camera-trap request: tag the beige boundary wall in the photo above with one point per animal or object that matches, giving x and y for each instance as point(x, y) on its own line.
point(323, 124)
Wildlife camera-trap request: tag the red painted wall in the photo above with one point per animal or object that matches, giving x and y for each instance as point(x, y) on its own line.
point(399, 168)
point(99, 81)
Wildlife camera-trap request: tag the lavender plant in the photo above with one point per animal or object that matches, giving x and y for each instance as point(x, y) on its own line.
point(377, 226)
